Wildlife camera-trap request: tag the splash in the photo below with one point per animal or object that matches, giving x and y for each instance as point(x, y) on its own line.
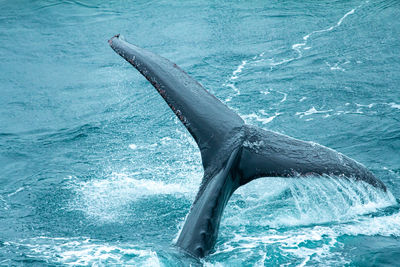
point(300, 220)
point(288, 202)
point(329, 199)
point(107, 199)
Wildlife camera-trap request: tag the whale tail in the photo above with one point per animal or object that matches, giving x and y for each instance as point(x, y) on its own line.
point(206, 118)
point(232, 152)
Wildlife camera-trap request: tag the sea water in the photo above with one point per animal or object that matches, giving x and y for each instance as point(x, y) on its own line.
point(96, 170)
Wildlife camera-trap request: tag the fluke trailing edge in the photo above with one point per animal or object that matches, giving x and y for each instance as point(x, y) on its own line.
point(232, 152)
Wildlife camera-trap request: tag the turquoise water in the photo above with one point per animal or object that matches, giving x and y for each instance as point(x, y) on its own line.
point(96, 170)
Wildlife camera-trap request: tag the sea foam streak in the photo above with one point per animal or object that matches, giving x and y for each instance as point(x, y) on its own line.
point(231, 82)
point(298, 47)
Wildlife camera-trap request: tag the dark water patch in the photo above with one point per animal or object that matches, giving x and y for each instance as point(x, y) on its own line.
point(69, 135)
point(385, 250)
point(8, 134)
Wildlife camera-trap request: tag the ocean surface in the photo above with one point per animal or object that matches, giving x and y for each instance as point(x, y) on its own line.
point(96, 170)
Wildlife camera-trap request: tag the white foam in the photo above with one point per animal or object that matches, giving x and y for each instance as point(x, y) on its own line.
point(238, 70)
point(306, 37)
point(383, 226)
point(265, 92)
point(285, 212)
point(231, 82)
point(85, 252)
point(394, 105)
point(312, 200)
point(336, 67)
point(268, 91)
point(367, 106)
point(291, 245)
point(298, 47)
point(133, 146)
point(253, 116)
point(255, 192)
point(166, 139)
point(341, 112)
point(311, 111)
point(107, 199)
point(16, 191)
point(284, 96)
point(6, 206)
point(331, 199)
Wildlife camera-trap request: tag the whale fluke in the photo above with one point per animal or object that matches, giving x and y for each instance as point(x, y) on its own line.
point(207, 119)
point(232, 152)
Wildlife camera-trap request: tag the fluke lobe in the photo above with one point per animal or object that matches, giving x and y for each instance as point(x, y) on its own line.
point(232, 152)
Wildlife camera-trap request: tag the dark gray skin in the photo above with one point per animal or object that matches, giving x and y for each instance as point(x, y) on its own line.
point(232, 152)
